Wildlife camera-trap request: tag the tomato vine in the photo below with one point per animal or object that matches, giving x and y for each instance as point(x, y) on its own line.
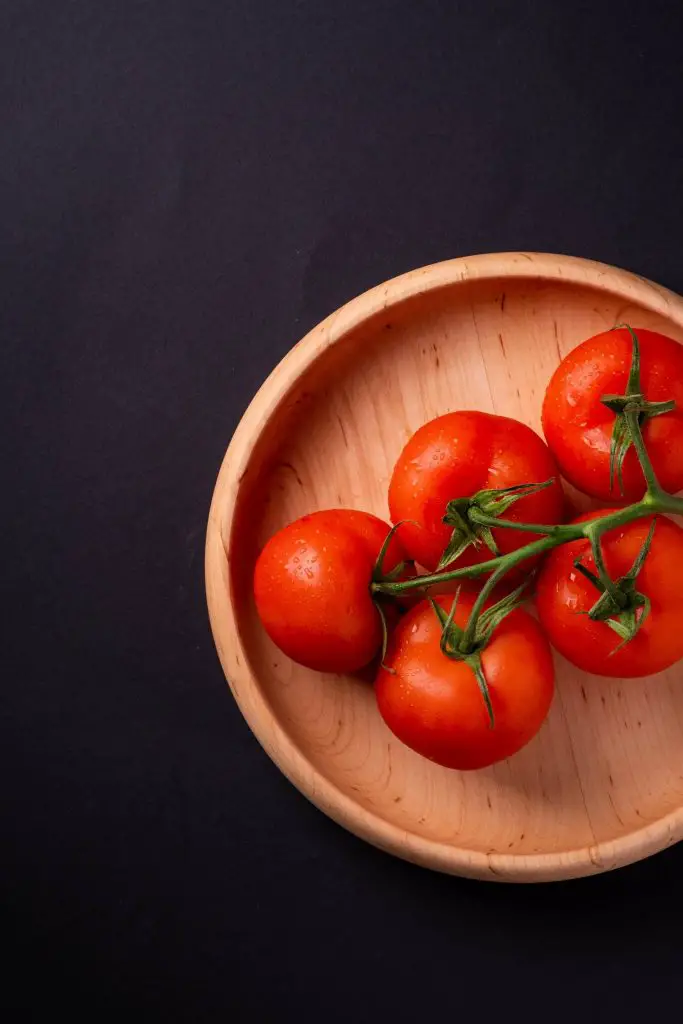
point(619, 603)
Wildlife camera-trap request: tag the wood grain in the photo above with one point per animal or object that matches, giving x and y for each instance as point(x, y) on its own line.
point(602, 784)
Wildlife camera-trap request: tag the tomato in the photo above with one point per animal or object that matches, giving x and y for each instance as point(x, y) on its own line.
point(578, 427)
point(434, 704)
point(564, 597)
point(312, 588)
point(456, 455)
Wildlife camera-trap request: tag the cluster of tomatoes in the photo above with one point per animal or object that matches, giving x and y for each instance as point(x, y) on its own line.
point(468, 693)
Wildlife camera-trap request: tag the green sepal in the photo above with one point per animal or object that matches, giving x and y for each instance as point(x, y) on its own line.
point(385, 637)
point(628, 623)
point(378, 574)
point(625, 609)
point(462, 514)
point(463, 536)
point(452, 636)
point(633, 401)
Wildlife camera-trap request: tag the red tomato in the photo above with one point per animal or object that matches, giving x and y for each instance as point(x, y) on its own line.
point(312, 588)
point(564, 596)
point(456, 455)
point(578, 427)
point(434, 705)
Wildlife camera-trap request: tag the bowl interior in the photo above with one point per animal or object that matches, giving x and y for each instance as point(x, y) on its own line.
point(609, 760)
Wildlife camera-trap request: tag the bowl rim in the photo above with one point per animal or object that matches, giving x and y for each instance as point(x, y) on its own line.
point(328, 797)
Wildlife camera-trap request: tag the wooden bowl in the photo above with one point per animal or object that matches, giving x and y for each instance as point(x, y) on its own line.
point(602, 784)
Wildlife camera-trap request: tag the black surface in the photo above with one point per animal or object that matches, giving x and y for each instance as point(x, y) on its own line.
point(187, 187)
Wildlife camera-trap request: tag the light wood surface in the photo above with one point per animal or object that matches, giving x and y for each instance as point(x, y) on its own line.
point(602, 784)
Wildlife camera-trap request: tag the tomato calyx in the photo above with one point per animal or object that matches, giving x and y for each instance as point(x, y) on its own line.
point(629, 407)
point(472, 518)
point(456, 645)
point(621, 606)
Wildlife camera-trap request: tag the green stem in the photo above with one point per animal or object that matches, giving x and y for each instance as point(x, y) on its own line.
point(478, 606)
point(594, 533)
point(538, 547)
point(651, 503)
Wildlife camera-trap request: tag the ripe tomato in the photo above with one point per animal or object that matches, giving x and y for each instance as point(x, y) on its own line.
point(312, 588)
point(578, 427)
point(456, 455)
point(564, 597)
point(434, 705)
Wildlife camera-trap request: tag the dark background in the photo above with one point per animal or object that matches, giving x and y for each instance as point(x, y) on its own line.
point(187, 188)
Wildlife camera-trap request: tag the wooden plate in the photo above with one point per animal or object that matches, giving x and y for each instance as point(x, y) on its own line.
point(602, 784)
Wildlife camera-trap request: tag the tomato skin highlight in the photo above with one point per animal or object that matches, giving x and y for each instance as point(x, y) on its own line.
point(433, 704)
point(564, 597)
point(578, 427)
point(456, 455)
point(312, 588)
